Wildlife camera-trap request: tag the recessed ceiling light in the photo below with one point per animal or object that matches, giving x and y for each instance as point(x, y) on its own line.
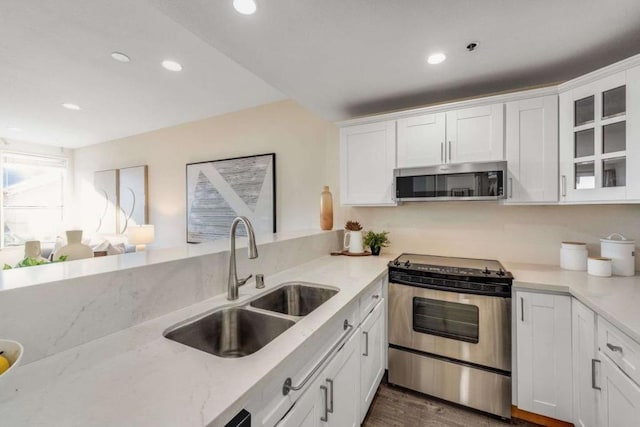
point(245, 7)
point(171, 65)
point(120, 57)
point(436, 58)
point(70, 106)
point(14, 129)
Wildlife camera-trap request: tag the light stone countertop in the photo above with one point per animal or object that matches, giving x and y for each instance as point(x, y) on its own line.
point(136, 377)
point(617, 299)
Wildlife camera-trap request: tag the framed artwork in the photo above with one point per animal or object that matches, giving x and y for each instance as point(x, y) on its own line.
point(105, 184)
point(220, 190)
point(133, 197)
point(122, 199)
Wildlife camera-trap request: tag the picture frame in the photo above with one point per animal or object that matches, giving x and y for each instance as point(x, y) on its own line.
point(220, 190)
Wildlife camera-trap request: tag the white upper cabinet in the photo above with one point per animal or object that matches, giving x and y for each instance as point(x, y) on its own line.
point(532, 150)
point(367, 160)
point(475, 134)
point(421, 140)
point(599, 153)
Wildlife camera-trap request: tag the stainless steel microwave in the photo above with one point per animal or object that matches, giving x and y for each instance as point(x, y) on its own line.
point(463, 181)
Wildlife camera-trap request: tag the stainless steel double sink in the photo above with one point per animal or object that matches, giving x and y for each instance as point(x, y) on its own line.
point(240, 331)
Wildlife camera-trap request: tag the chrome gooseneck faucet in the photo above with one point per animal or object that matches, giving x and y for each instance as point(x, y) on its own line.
point(234, 283)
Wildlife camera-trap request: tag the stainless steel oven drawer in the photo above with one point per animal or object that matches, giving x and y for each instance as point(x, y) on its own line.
point(479, 389)
point(466, 327)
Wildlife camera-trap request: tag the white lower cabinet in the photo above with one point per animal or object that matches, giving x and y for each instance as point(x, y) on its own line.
point(620, 403)
point(544, 374)
point(585, 363)
point(372, 347)
point(333, 397)
point(308, 409)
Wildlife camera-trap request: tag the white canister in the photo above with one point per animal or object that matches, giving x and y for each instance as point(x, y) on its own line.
point(573, 256)
point(599, 266)
point(622, 252)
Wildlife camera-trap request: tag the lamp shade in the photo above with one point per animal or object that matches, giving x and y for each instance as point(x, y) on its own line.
point(140, 234)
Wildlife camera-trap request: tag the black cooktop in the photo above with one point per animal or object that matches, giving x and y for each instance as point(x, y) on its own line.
point(467, 275)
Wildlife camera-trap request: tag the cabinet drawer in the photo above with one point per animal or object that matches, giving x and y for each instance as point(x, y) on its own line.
point(621, 349)
point(370, 298)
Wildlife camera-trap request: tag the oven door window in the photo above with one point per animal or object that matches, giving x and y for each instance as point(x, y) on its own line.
point(446, 319)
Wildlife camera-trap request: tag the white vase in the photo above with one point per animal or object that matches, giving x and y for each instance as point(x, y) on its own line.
point(32, 250)
point(74, 249)
point(353, 242)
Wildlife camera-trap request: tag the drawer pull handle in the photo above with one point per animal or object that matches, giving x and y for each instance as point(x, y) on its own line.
point(325, 417)
point(288, 383)
point(366, 343)
point(376, 296)
point(615, 348)
point(330, 409)
point(593, 374)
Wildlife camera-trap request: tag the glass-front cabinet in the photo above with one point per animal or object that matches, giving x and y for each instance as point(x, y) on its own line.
point(594, 141)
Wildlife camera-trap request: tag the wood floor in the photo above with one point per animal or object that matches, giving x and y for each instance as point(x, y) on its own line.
point(397, 407)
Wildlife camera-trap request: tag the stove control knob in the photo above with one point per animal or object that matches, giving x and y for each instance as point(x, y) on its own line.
point(486, 271)
point(501, 272)
point(407, 263)
point(396, 262)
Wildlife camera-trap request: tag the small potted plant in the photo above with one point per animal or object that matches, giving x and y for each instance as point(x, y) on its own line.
point(353, 237)
point(376, 241)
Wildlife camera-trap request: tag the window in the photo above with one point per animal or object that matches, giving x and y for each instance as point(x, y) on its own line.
point(33, 194)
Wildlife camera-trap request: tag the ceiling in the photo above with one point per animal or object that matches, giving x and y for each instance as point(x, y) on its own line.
point(341, 59)
point(53, 52)
point(346, 58)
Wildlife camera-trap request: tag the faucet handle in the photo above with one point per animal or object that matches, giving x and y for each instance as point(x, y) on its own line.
point(245, 280)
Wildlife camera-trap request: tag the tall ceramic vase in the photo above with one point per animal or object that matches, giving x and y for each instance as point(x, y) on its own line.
point(74, 249)
point(326, 209)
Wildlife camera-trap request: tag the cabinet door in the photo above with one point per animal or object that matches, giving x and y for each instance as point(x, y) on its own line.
point(620, 403)
point(308, 409)
point(532, 150)
point(343, 383)
point(594, 142)
point(372, 359)
point(544, 354)
point(367, 160)
point(475, 134)
point(421, 140)
point(585, 398)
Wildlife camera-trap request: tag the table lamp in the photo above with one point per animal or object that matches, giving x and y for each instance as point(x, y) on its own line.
point(140, 235)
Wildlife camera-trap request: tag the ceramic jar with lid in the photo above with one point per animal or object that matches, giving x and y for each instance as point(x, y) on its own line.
point(622, 253)
point(573, 256)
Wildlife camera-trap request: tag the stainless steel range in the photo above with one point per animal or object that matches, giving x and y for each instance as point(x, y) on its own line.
point(450, 330)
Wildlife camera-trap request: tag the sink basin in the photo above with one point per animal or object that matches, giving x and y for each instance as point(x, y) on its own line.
point(294, 299)
point(232, 332)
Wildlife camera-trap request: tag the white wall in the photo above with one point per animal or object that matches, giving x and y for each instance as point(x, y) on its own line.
point(307, 158)
point(298, 138)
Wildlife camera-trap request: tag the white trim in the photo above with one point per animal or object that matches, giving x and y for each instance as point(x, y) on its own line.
point(474, 102)
point(617, 67)
point(598, 74)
